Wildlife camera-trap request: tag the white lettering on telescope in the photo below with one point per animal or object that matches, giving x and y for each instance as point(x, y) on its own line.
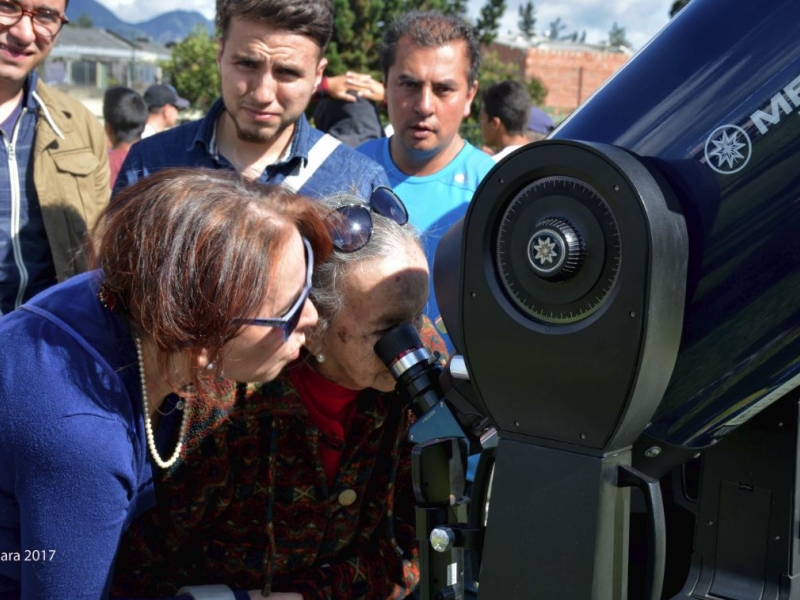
point(778, 103)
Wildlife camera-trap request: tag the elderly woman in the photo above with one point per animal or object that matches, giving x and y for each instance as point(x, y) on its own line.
point(187, 260)
point(304, 488)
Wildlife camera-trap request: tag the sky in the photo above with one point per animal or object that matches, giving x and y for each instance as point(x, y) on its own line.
point(642, 19)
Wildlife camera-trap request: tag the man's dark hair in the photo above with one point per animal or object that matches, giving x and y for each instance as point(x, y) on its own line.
point(430, 29)
point(510, 102)
point(311, 18)
point(125, 112)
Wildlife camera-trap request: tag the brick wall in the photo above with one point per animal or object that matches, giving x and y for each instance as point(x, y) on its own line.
point(570, 75)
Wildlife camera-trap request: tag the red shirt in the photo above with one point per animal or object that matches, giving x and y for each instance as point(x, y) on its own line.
point(331, 408)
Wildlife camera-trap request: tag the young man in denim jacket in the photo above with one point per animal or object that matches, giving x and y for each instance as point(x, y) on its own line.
point(270, 60)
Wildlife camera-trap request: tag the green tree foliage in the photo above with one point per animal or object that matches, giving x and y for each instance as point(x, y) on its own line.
point(556, 27)
point(359, 25)
point(457, 7)
point(616, 37)
point(356, 37)
point(84, 21)
point(677, 6)
point(489, 21)
point(193, 68)
point(527, 20)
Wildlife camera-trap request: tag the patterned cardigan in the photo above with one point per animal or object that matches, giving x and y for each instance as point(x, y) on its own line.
point(249, 505)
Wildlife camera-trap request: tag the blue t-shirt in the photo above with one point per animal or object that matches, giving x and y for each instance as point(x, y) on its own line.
point(434, 202)
point(75, 465)
point(194, 145)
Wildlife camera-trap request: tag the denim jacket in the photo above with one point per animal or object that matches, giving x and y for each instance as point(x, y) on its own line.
point(194, 145)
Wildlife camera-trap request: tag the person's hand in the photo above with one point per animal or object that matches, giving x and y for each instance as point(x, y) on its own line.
point(256, 595)
point(342, 87)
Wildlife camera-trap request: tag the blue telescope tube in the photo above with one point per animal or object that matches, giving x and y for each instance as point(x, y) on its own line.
point(713, 104)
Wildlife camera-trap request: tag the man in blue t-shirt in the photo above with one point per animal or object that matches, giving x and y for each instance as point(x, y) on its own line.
point(430, 68)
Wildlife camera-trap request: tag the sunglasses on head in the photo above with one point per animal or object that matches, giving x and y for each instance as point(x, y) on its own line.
point(288, 322)
point(350, 226)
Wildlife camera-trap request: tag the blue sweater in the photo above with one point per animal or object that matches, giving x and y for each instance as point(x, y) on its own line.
point(74, 468)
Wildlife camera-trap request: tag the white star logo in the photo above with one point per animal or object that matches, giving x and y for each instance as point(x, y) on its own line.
point(545, 251)
point(728, 149)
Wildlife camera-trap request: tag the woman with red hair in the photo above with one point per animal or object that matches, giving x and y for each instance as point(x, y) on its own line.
point(202, 277)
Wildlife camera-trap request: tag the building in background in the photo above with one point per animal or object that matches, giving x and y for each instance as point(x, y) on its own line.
point(571, 71)
point(87, 60)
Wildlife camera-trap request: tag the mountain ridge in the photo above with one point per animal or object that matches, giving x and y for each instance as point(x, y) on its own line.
point(172, 26)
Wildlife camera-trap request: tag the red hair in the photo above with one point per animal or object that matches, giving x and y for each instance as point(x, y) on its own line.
point(187, 252)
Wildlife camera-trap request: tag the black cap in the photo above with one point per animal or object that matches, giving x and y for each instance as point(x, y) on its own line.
point(161, 95)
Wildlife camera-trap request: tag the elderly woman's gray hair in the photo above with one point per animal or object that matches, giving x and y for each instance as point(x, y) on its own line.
point(328, 284)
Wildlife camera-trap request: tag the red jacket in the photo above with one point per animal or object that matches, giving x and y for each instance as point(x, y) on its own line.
point(249, 505)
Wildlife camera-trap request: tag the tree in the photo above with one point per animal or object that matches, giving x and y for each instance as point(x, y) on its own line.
point(677, 6)
point(192, 69)
point(359, 25)
point(457, 7)
point(527, 20)
point(84, 21)
point(556, 27)
point(616, 37)
point(489, 21)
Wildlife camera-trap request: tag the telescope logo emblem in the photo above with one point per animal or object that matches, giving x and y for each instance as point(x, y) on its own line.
point(728, 149)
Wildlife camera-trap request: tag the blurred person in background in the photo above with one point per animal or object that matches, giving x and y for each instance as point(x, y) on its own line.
point(504, 115)
point(540, 124)
point(125, 115)
point(164, 106)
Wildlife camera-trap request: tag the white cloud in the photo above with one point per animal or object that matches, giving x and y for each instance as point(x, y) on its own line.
point(641, 19)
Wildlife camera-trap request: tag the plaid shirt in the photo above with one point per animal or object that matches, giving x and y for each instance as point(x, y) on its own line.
point(249, 505)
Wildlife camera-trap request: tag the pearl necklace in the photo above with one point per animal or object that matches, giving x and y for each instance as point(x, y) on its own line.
point(148, 425)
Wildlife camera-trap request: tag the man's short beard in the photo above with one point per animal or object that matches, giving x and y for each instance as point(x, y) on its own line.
point(257, 136)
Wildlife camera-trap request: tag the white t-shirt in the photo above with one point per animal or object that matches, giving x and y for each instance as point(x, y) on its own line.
point(505, 152)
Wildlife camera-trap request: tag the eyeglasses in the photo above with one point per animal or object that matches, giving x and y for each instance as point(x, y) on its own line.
point(350, 226)
point(288, 322)
point(46, 23)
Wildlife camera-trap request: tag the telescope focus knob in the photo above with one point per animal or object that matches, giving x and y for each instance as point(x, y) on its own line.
point(555, 250)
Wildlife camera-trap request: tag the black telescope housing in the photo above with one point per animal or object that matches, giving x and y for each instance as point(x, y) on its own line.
point(623, 298)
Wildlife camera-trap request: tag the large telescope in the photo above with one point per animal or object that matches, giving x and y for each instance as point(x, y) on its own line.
point(625, 298)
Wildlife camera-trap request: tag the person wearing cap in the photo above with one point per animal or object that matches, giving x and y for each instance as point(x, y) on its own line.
point(163, 106)
point(270, 60)
point(539, 125)
point(504, 117)
point(53, 160)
